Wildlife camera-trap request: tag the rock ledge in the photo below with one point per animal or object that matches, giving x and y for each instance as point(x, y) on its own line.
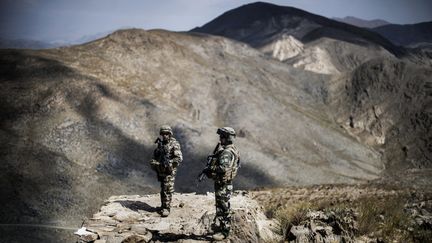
point(134, 218)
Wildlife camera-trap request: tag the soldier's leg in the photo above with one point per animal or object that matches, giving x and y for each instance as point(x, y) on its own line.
point(162, 191)
point(216, 221)
point(167, 190)
point(223, 193)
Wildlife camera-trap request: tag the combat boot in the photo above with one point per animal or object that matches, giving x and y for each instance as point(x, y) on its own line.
point(215, 228)
point(219, 236)
point(164, 212)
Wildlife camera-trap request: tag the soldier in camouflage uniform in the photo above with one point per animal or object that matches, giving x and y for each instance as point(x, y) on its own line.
point(166, 158)
point(222, 169)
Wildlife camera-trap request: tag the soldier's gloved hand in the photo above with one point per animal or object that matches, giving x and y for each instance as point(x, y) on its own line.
point(154, 164)
point(208, 173)
point(174, 163)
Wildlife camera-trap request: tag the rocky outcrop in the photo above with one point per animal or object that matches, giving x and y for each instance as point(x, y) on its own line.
point(292, 51)
point(320, 227)
point(135, 219)
point(287, 46)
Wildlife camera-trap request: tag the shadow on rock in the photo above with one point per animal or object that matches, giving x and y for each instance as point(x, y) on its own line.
point(164, 237)
point(138, 205)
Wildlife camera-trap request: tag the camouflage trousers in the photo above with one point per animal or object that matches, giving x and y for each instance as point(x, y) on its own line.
point(222, 220)
point(167, 189)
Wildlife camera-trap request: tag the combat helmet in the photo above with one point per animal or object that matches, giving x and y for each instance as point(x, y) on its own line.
point(229, 132)
point(165, 129)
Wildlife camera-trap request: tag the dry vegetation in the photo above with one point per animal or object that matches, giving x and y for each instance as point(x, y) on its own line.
point(359, 213)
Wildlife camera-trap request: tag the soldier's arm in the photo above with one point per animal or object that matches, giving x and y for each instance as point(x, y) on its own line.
point(154, 162)
point(177, 155)
point(224, 162)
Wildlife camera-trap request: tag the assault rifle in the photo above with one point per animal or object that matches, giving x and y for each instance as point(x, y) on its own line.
point(164, 157)
point(209, 164)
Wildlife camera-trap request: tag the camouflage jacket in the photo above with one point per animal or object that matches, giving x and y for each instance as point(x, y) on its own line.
point(226, 164)
point(167, 155)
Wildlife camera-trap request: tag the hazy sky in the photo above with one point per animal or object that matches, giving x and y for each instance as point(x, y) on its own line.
point(66, 20)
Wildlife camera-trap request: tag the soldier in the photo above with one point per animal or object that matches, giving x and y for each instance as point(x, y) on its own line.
point(222, 168)
point(166, 158)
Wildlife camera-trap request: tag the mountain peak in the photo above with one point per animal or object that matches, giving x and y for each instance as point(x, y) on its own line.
point(260, 23)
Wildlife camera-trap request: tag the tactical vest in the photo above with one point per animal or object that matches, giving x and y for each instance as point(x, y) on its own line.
point(167, 153)
point(234, 164)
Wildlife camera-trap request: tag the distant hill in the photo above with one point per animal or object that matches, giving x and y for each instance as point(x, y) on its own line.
point(25, 44)
point(92, 37)
point(260, 23)
point(362, 22)
point(6, 43)
point(407, 35)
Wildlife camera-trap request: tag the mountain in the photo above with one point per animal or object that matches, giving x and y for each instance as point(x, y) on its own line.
point(76, 118)
point(367, 84)
point(407, 35)
point(328, 46)
point(361, 22)
point(258, 23)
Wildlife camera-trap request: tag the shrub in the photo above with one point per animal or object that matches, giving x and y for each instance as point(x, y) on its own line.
point(290, 216)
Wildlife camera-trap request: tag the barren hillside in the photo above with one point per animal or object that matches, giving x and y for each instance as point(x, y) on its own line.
point(78, 123)
point(378, 92)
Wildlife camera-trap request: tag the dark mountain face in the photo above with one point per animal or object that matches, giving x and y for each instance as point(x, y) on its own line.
point(362, 22)
point(259, 23)
point(407, 35)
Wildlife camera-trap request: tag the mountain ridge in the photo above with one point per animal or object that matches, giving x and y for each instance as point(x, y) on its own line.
point(244, 16)
point(407, 34)
point(373, 23)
